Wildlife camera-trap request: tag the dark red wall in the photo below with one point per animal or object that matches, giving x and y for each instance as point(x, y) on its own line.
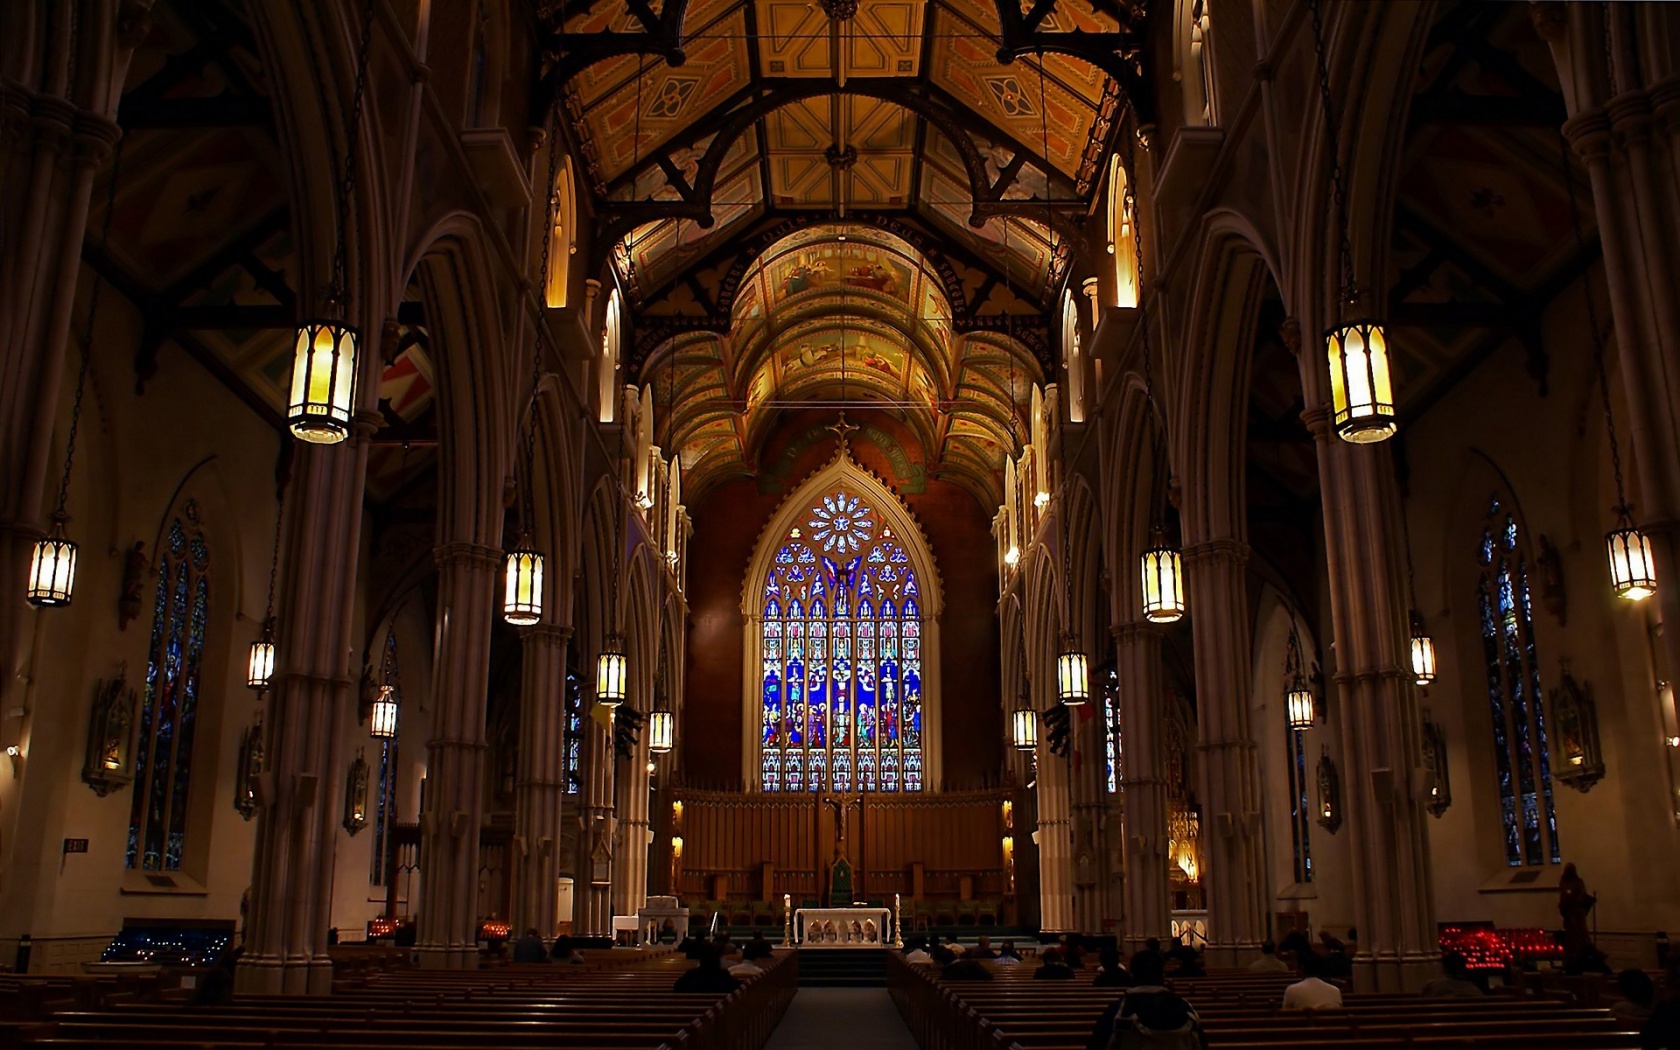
point(726, 527)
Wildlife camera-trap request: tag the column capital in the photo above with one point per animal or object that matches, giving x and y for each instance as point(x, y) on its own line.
point(1379, 675)
point(1234, 552)
point(1588, 133)
point(1630, 117)
point(1132, 631)
point(1317, 419)
point(468, 554)
point(552, 633)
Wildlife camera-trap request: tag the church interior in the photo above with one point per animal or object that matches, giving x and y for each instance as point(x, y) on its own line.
point(1108, 471)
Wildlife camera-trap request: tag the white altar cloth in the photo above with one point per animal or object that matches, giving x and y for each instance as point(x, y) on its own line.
point(842, 927)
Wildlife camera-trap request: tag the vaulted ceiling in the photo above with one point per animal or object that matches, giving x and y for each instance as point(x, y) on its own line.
point(841, 202)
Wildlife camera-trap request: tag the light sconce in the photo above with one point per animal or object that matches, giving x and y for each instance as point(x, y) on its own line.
point(1012, 556)
point(356, 795)
point(1329, 794)
point(16, 755)
point(1438, 787)
point(246, 771)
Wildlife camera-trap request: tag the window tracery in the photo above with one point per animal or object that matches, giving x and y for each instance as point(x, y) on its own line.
point(1521, 760)
point(157, 827)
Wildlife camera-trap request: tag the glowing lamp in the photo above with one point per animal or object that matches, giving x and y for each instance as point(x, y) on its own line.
point(676, 846)
point(259, 666)
point(522, 601)
point(383, 722)
point(1302, 708)
point(323, 381)
point(1423, 652)
point(611, 672)
point(1040, 499)
point(1012, 556)
point(1073, 681)
point(1361, 391)
point(52, 571)
point(661, 730)
point(1024, 724)
point(1163, 583)
point(1633, 575)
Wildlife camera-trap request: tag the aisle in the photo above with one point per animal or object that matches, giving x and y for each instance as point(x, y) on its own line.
point(847, 1018)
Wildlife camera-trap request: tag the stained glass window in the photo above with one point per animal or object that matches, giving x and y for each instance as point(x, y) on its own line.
point(157, 826)
point(841, 685)
point(572, 757)
point(1522, 764)
point(1111, 738)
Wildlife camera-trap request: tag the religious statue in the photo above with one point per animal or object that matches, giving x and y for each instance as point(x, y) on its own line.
point(842, 836)
point(1574, 904)
point(129, 601)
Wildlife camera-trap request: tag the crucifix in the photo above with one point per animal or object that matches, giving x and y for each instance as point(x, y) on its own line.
point(841, 807)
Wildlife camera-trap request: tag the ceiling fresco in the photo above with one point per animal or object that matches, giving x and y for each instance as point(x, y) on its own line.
point(841, 314)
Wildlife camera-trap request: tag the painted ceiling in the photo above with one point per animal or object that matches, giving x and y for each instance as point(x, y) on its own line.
point(841, 314)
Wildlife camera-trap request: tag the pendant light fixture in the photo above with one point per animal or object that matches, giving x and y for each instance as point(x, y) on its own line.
point(259, 666)
point(326, 354)
point(1023, 721)
point(1301, 707)
point(1422, 644)
point(522, 595)
point(662, 723)
point(386, 697)
point(1633, 572)
point(52, 566)
point(611, 668)
point(1361, 388)
point(1161, 567)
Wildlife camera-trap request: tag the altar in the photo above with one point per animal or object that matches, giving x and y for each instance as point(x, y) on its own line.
point(843, 927)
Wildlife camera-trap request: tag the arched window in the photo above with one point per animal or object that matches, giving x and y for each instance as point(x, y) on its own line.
point(157, 825)
point(607, 367)
point(1122, 241)
point(1072, 359)
point(1522, 764)
point(563, 236)
point(841, 652)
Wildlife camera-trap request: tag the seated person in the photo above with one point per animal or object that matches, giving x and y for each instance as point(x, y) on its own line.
point(1007, 954)
point(1110, 974)
point(668, 932)
point(1147, 1014)
point(563, 952)
point(1188, 960)
point(954, 946)
point(916, 952)
point(1454, 982)
point(708, 975)
point(745, 967)
point(981, 950)
point(1312, 991)
point(966, 969)
point(942, 954)
point(1052, 968)
point(1338, 959)
point(1639, 998)
point(530, 948)
point(757, 947)
point(1073, 950)
point(1662, 1028)
point(1268, 961)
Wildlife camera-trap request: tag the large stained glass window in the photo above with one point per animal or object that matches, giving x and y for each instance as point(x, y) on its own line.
point(157, 826)
point(572, 756)
point(1521, 762)
point(841, 687)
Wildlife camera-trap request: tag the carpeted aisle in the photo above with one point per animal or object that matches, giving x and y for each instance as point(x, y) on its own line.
point(847, 1018)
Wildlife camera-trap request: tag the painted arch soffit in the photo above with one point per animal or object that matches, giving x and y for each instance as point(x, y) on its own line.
point(812, 508)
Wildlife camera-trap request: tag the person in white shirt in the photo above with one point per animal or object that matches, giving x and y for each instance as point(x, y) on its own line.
point(745, 968)
point(918, 954)
point(1312, 992)
point(1268, 961)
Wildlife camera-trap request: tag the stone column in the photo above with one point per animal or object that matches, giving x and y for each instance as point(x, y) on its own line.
point(1088, 791)
point(541, 785)
point(1215, 575)
point(599, 841)
point(453, 803)
point(1374, 709)
point(310, 704)
point(1054, 839)
point(630, 867)
point(1137, 655)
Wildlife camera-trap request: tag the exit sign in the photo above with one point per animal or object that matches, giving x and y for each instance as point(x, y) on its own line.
point(75, 845)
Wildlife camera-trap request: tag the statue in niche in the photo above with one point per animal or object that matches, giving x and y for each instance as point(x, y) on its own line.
point(129, 600)
point(601, 853)
point(1553, 594)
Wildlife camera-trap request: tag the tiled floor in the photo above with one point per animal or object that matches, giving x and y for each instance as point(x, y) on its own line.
point(841, 1017)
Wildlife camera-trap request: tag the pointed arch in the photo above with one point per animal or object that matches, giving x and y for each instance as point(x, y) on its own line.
point(842, 600)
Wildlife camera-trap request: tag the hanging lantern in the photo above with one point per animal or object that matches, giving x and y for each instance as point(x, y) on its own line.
point(1302, 706)
point(662, 726)
point(1073, 682)
point(52, 571)
point(1633, 575)
point(1024, 726)
point(522, 603)
point(1163, 582)
point(323, 381)
point(1361, 391)
point(382, 722)
point(611, 672)
point(259, 667)
point(1423, 652)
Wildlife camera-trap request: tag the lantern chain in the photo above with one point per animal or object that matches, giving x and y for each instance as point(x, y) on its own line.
point(59, 513)
point(339, 290)
point(274, 559)
point(1622, 507)
point(1338, 189)
point(1406, 539)
point(527, 508)
point(1065, 512)
point(1157, 418)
